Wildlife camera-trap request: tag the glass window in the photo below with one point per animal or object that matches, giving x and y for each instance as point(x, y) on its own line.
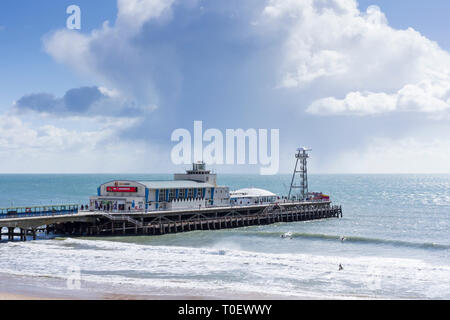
point(162, 195)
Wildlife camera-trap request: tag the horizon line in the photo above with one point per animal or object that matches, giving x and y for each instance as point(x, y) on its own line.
point(253, 174)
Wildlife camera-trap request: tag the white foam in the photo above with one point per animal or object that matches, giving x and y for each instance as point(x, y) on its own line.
point(227, 268)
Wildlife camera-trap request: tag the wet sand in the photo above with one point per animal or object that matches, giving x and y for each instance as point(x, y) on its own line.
point(8, 296)
point(15, 287)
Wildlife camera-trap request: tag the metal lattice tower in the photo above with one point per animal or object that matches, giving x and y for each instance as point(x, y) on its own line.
point(300, 176)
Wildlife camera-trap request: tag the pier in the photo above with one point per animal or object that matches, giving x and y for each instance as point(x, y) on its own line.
point(102, 223)
point(192, 201)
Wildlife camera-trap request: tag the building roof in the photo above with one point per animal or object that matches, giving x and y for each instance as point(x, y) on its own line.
point(171, 184)
point(252, 192)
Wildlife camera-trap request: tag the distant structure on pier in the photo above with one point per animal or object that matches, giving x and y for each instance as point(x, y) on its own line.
point(300, 177)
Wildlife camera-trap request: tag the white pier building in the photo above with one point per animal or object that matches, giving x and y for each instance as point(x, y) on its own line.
point(197, 188)
point(252, 196)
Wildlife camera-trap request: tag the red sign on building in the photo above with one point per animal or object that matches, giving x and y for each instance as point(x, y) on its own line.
point(121, 189)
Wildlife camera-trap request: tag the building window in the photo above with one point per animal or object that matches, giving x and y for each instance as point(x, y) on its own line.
point(171, 194)
point(162, 195)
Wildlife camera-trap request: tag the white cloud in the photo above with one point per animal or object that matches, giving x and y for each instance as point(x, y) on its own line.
point(353, 62)
point(109, 55)
point(355, 103)
point(429, 96)
point(27, 138)
point(333, 58)
point(133, 14)
point(30, 148)
point(357, 55)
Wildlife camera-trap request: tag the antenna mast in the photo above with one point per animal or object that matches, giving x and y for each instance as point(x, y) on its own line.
point(302, 172)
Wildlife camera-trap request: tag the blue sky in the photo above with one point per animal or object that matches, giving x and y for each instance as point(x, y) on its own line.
point(351, 80)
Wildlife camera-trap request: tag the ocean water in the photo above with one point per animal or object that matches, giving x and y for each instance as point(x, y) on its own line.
point(393, 243)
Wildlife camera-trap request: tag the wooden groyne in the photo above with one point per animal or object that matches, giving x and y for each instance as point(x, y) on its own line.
point(100, 223)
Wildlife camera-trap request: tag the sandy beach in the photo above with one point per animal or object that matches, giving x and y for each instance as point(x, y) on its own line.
point(44, 288)
point(10, 296)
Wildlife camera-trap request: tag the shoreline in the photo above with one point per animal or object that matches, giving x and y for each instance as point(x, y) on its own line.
point(16, 287)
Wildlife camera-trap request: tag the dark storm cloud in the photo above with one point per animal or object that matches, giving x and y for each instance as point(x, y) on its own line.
point(78, 100)
point(39, 102)
point(83, 101)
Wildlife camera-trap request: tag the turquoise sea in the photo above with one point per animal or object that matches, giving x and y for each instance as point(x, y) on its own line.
point(393, 242)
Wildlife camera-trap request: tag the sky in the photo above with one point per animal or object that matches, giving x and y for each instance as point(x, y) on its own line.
point(365, 84)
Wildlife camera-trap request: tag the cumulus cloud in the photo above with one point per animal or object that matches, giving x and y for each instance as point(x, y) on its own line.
point(133, 14)
point(258, 60)
point(356, 103)
point(353, 62)
point(27, 147)
point(363, 65)
point(22, 138)
point(110, 54)
point(427, 96)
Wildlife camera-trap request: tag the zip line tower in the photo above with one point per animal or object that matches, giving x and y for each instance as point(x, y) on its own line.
point(300, 176)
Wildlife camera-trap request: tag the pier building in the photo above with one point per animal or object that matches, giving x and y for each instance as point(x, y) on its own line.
point(195, 189)
point(252, 196)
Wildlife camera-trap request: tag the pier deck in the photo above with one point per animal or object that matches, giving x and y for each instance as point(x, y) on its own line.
point(100, 223)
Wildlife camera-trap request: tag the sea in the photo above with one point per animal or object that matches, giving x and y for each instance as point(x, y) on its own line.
point(393, 242)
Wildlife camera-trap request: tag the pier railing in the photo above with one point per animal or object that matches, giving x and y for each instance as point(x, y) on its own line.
point(38, 211)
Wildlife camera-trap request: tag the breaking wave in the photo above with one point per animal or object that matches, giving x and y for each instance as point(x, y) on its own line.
point(352, 239)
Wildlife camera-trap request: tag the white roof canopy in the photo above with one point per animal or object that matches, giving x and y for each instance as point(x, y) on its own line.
point(252, 192)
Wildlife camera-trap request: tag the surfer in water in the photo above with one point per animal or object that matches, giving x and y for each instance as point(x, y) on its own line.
point(287, 235)
point(341, 267)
